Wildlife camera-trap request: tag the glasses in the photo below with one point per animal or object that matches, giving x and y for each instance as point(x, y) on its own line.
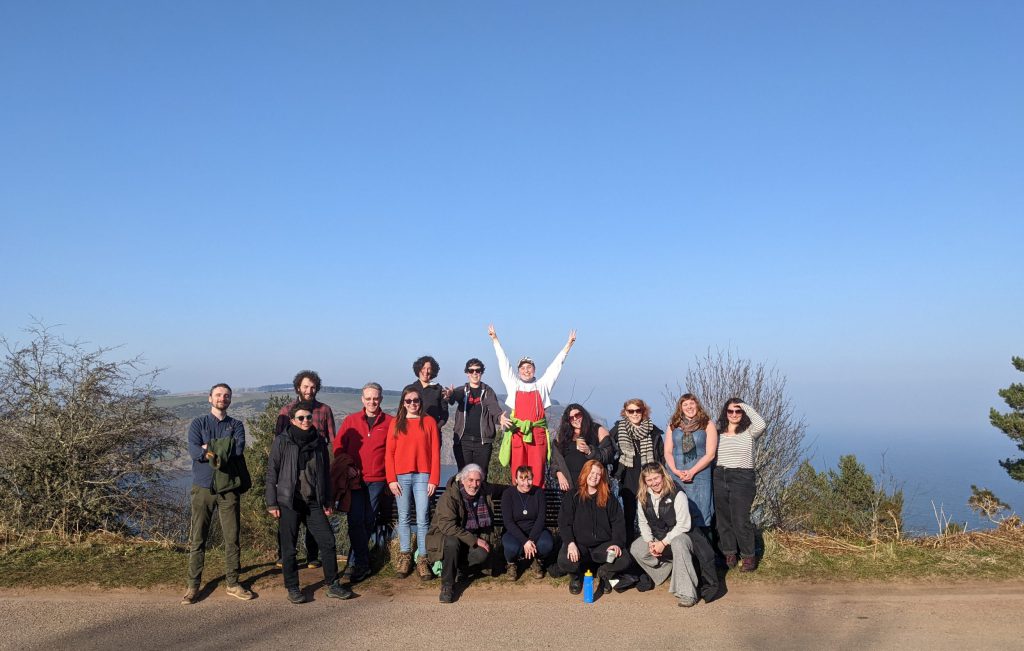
point(575, 416)
point(734, 411)
point(412, 401)
point(474, 371)
point(634, 411)
point(303, 418)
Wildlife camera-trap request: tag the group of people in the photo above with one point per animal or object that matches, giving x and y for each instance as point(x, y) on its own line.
point(314, 469)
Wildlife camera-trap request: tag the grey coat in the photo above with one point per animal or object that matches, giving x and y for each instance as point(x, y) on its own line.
point(490, 412)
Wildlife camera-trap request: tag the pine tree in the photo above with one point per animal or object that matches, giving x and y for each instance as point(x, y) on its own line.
point(1012, 422)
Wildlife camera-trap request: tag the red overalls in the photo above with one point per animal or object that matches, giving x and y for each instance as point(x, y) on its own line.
point(530, 407)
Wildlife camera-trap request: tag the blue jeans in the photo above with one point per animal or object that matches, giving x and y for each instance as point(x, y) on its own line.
point(514, 550)
point(362, 520)
point(414, 486)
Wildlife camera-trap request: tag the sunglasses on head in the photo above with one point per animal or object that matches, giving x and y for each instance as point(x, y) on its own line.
point(412, 401)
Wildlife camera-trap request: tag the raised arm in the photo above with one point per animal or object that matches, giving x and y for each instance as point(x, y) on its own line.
point(508, 376)
point(757, 424)
point(552, 371)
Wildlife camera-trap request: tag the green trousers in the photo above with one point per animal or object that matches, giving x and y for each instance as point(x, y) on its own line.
point(203, 503)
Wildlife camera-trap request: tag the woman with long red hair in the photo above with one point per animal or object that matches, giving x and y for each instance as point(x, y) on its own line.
point(593, 530)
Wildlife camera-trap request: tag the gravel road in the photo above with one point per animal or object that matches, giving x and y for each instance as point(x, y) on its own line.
point(404, 614)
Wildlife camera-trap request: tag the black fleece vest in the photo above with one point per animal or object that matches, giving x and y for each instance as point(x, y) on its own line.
point(661, 525)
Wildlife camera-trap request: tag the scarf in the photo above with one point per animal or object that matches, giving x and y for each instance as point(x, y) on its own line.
point(689, 426)
point(634, 439)
point(478, 516)
point(308, 441)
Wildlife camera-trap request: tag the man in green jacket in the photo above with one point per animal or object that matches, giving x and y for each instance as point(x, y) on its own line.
point(462, 529)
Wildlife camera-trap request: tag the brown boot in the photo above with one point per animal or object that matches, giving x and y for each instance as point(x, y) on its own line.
point(511, 571)
point(403, 564)
point(536, 569)
point(423, 569)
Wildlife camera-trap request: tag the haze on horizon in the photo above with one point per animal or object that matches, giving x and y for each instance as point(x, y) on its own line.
point(239, 191)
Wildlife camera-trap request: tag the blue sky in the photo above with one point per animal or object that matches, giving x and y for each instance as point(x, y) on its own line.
point(239, 190)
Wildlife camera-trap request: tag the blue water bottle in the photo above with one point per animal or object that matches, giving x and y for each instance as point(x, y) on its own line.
point(588, 588)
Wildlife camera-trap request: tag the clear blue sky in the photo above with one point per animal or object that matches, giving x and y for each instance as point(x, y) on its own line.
point(240, 190)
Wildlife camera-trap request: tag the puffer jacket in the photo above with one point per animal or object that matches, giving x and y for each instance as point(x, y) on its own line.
point(283, 473)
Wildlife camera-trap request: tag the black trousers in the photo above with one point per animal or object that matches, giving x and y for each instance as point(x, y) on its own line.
point(734, 495)
point(593, 557)
point(455, 553)
point(704, 553)
point(288, 534)
point(472, 451)
point(627, 491)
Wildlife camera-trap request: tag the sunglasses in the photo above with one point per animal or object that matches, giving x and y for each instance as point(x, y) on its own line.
point(734, 411)
point(634, 411)
point(303, 418)
point(575, 416)
point(474, 371)
point(412, 401)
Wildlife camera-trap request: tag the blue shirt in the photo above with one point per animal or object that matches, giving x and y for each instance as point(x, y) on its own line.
point(203, 430)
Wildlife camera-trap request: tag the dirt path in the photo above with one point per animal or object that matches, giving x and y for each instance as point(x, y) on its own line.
point(761, 615)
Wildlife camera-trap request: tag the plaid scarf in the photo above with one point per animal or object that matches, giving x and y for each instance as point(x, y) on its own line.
point(478, 516)
point(634, 440)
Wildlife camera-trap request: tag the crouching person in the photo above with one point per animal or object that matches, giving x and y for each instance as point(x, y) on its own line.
point(664, 549)
point(523, 507)
point(593, 530)
point(462, 529)
point(298, 491)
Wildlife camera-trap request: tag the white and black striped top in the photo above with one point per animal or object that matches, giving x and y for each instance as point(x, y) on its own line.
point(737, 451)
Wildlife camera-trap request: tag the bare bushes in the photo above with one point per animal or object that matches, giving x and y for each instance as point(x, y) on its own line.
point(83, 446)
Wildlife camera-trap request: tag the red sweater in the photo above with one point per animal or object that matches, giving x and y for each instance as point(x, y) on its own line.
point(364, 446)
point(418, 450)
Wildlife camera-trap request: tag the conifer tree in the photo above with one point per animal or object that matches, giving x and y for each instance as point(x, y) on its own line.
point(1011, 423)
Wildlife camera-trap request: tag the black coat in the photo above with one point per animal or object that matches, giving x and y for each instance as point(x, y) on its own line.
point(283, 472)
point(585, 523)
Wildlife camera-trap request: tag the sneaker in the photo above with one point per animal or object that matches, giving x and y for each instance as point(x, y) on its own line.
point(575, 584)
point(645, 583)
point(296, 597)
point(360, 573)
point(423, 569)
point(238, 591)
point(731, 560)
point(748, 564)
point(403, 564)
point(190, 597)
point(338, 590)
point(511, 571)
point(447, 593)
point(536, 569)
point(687, 602)
point(314, 564)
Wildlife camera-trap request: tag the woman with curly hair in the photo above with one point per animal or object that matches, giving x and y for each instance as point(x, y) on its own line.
point(639, 442)
point(579, 439)
point(690, 456)
point(433, 395)
point(734, 482)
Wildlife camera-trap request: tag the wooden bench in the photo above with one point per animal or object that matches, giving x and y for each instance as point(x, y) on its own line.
point(552, 503)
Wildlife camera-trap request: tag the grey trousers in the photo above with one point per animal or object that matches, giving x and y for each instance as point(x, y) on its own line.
point(676, 561)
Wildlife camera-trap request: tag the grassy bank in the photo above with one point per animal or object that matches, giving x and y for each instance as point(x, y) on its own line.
point(108, 562)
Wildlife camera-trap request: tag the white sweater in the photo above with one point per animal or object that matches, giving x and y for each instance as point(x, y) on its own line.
point(513, 383)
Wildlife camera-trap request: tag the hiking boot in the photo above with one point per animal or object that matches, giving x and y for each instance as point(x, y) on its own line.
point(359, 573)
point(403, 564)
point(314, 564)
point(423, 569)
point(447, 593)
point(603, 586)
point(279, 564)
point(238, 591)
point(536, 569)
point(626, 581)
point(748, 564)
point(575, 584)
point(731, 560)
point(296, 597)
point(338, 590)
point(687, 602)
point(190, 597)
point(511, 571)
